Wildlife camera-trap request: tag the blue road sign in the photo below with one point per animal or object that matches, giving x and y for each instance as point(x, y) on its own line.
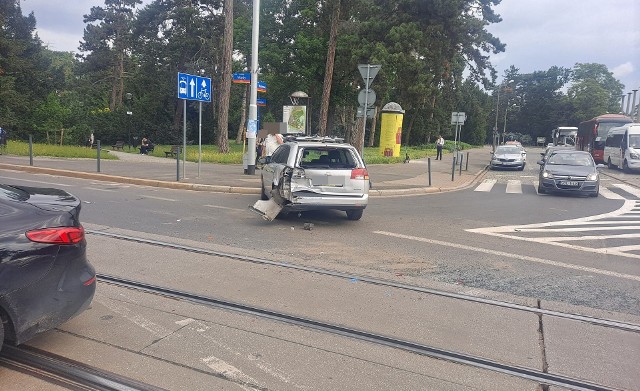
point(193, 87)
point(242, 77)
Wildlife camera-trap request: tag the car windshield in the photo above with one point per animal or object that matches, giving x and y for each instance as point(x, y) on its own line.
point(327, 158)
point(570, 159)
point(509, 150)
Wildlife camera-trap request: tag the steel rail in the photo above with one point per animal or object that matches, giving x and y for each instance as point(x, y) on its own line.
point(631, 327)
point(68, 372)
point(414, 347)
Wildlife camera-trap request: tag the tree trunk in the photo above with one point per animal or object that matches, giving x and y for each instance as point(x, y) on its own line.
point(243, 115)
point(374, 123)
point(357, 139)
point(225, 84)
point(328, 72)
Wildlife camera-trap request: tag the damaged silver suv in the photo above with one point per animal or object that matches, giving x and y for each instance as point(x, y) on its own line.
point(314, 173)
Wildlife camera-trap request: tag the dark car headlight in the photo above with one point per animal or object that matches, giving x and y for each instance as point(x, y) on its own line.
point(546, 174)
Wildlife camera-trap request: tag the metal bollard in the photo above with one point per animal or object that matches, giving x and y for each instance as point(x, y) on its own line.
point(178, 165)
point(461, 159)
point(98, 160)
point(429, 170)
point(453, 168)
point(30, 150)
point(466, 166)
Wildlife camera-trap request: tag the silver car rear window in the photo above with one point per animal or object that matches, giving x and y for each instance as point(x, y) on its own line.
point(326, 157)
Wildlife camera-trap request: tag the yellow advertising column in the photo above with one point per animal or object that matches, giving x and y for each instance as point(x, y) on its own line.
point(391, 129)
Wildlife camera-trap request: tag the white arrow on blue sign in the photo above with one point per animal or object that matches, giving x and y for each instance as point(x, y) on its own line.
point(193, 87)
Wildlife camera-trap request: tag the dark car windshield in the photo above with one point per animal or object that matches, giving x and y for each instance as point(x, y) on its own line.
point(327, 158)
point(570, 159)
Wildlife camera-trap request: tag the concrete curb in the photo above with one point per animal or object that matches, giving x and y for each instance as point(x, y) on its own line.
point(220, 188)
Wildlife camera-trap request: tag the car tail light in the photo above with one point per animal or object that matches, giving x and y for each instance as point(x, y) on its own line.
point(59, 235)
point(359, 173)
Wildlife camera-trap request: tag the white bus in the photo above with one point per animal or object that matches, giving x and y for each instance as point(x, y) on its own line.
point(622, 147)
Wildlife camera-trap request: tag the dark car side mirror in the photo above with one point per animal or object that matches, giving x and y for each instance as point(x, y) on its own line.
point(541, 162)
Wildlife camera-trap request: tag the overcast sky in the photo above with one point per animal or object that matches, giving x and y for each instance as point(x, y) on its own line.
point(538, 33)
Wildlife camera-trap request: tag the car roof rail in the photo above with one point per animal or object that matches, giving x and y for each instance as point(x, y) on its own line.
point(316, 138)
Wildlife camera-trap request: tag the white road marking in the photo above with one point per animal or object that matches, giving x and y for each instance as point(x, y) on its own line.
point(629, 189)
point(551, 227)
point(514, 186)
point(185, 322)
point(29, 180)
point(515, 256)
point(160, 198)
point(98, 189)
point(230, 372)
point(486, 185)
point(606, 193)
point(225, 207)
point(130, 315)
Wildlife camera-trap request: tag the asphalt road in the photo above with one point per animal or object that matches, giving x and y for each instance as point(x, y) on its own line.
point(505, 242)
point(425, 236)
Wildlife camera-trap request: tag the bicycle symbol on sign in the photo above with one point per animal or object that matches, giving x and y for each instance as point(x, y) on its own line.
point(203, 94)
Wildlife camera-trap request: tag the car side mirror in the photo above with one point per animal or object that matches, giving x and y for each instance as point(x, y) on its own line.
point(541, 162)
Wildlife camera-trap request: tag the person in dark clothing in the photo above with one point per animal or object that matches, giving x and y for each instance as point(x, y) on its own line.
point(439, 145)
point(145, 146)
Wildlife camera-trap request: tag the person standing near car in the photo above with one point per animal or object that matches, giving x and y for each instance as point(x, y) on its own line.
point(439, 145)
point(271, 143)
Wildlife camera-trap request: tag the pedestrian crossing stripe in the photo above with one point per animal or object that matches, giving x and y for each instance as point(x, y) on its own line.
point(573, 231)
point(514, 186)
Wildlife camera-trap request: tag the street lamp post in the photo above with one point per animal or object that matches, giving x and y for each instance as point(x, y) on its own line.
point(496, 134)
point(128, 96)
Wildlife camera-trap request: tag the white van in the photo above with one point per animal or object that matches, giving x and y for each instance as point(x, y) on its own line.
point(622, 147)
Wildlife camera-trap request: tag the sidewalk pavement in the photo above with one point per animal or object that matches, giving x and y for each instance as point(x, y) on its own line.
point(387, 179)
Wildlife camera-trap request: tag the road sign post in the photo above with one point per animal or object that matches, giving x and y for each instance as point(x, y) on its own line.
point(368, 73)
point(198, 88)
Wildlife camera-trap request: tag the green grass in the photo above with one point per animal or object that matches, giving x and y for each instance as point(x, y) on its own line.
point(210, 153)
point(21, 148)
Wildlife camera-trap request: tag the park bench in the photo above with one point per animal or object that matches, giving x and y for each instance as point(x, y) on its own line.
point(118, 145)
point(175, 149)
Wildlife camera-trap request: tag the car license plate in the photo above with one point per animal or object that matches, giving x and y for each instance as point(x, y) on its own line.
point(569, 183)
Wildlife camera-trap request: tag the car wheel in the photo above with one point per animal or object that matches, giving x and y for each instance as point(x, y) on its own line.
point(521, 168)
point(354, 214)
point(625, 166)
point(263, 195)
point(541, 189)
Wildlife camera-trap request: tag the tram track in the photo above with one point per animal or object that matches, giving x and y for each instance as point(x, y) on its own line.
point(611, 323)
point(66, 373)
point(541, 377)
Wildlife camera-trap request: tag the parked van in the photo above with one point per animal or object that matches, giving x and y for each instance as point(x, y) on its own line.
point(622, 147)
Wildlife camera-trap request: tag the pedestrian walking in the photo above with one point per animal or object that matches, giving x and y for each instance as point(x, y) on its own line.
point(439, 145)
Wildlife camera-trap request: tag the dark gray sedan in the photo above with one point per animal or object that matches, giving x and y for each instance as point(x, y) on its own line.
point(569, 171)
point(45, 277)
